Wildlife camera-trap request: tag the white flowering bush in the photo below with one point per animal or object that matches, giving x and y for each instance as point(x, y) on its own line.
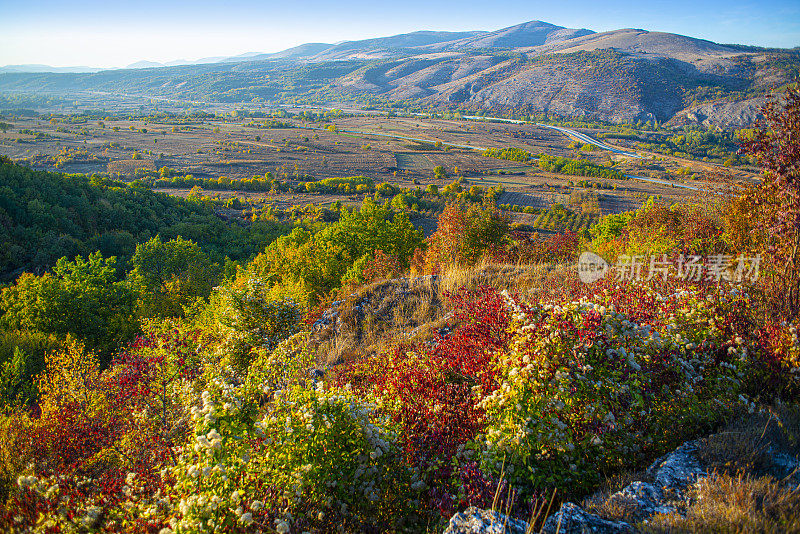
point(309, 458)
point(287, 365)
point(585, 388)
point(84, 504)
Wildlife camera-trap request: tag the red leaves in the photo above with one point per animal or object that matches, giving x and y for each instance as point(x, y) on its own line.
point(128, 425)
point(429, 391)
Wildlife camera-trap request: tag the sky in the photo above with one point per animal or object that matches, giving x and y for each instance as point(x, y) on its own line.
point(116, 33)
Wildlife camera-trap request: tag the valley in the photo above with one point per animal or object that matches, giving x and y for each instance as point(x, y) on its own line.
point(298, 145)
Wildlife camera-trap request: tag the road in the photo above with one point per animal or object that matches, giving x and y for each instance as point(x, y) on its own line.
point(586, 139)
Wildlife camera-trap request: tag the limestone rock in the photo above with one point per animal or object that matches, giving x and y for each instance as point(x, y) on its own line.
point(671, 475)
point(572, 519)
point(476, 521)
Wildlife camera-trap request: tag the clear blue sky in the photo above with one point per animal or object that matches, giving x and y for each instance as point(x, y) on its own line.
point(111, 33)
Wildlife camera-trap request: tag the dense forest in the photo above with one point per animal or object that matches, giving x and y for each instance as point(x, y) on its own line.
point(47, 216)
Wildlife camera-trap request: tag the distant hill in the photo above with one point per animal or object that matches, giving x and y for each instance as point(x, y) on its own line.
point(45, 68)
point(388, 46)
point(534, 68)
point(145, 65)
point(298, 52)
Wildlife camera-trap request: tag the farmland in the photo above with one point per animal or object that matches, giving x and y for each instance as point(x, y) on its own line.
point(294, 146)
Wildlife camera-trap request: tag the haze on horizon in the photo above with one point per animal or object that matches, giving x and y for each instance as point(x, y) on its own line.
point(99, 34)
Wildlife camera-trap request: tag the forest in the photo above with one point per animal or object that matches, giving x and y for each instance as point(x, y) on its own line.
point(164, 369)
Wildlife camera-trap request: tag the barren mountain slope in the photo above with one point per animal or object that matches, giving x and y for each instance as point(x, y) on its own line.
point(527, 34)
point(530, 68)
point(624, 89)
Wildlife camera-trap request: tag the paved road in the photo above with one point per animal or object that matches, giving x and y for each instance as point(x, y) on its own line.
point(586, 139)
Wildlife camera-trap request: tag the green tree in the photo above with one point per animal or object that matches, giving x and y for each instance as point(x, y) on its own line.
point(305, 266)
point(170, 275)
point(83, 298)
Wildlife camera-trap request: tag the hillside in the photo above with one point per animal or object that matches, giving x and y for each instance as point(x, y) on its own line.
point(357, 376)
point(624, 75)
point(45, 216)
point(531, 33)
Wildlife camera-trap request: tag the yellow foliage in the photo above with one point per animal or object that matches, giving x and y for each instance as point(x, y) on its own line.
point(71, 375)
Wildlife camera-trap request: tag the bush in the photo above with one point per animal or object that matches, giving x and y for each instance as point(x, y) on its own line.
point(312, 459)
point(242, 317)
point(83, 298)
point(306, 266)
point(589, 386)
point(22, 358)
point(464, 236)
point(577, 167)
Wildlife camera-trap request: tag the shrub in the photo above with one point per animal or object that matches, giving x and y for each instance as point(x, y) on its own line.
point(463, 236)
point(777, 199)
point(241, 316)
point(82, 298)
point(587, 387)
point(306, 266)
point(312, 459)
point(170, 275)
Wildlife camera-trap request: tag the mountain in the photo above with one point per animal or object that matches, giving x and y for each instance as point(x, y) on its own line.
point(215, 59)
point(298, 52)
point(531, 33)
point(145, 65)
point(45, 68)
point(534, 68)
point(388, 46)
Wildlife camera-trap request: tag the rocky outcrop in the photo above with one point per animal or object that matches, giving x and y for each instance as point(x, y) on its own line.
point(572, 519)
point(476, 521)
point(669, 476)
point(739, 114)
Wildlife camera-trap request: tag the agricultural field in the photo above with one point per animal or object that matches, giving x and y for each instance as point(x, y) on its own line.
point(407, 152)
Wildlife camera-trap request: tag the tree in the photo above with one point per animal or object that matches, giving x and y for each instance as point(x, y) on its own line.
point(170, 275)
point(5, 126)
point(465, 236)
point(83, 298)
point(775, 143)
point(305, 266)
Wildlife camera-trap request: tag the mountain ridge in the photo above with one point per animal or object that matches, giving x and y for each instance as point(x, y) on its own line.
point(534, 68)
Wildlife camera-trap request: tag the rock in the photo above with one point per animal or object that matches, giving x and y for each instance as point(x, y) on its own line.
point(317, 373)
point(572, 519)
point(785, 467)
point(739, 114)
point(677, 469)
point(476, 521)
point(671, 475)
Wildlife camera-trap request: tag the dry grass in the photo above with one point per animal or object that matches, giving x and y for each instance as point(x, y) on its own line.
point(752, 487)
point(534, 280)
point(129, 166)
point(600, 502)
point(380, 315)
point(754, 442)
point(735, 504)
